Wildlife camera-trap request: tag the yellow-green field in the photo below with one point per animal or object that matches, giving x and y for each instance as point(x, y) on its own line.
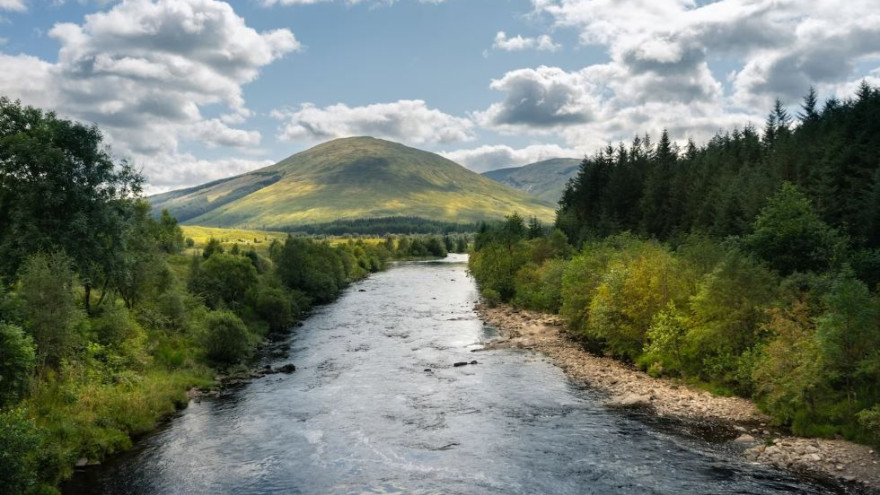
point(257, 239)
point(242, 237)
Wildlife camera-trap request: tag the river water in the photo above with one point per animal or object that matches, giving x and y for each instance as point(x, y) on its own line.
point(376, 406)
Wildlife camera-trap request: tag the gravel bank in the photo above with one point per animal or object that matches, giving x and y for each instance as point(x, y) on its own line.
point(628, 387)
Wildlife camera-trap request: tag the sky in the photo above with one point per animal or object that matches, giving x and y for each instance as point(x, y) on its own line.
point(197, 90)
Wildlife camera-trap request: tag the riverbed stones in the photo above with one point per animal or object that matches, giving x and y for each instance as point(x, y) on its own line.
point(630, 401)
point(545, 333)
point(287, 368)
point(745, 439)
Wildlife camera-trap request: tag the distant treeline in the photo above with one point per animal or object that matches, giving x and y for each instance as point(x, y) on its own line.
point(384, 226)
point(749, 265)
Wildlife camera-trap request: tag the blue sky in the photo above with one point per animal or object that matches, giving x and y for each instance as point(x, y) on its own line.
point(195, 90)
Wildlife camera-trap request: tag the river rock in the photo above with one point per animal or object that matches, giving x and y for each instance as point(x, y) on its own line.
point(745, 439)
point(287, 368)
point(630, 401)
point(459, 364)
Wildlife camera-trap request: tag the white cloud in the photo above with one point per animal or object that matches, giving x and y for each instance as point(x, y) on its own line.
point(658, 71)
point(518, 43)
point(492, 157)
point(13, 5)
point(144, 70)
point(171, 171)
point(410, 121)
point(270, 3)
point(540, 98)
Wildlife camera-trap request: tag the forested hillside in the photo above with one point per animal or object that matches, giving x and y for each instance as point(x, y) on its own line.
point(748, 265)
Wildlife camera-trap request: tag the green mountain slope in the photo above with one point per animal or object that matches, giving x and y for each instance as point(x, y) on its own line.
point(545, 180)
point(347, 179)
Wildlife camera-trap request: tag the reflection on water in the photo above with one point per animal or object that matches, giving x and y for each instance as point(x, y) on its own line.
point(376, 406)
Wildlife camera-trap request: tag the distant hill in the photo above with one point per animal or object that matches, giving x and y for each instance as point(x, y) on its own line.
point(348, 179)
point(545, 180)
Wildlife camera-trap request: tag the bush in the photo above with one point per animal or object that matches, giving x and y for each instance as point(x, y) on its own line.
point(47, 285)
point(17, 358)
point(491, 296)
point(539, 287)
point(273, 305)
point(226, 340)
point(21, 441)
point(224, 280)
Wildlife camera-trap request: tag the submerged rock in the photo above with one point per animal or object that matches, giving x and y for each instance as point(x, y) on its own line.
point(459, 364)
point(287, 368)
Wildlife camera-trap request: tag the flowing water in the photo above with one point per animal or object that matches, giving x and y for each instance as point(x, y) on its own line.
point(376, 406)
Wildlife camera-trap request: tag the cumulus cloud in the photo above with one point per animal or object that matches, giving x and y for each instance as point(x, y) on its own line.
point(518, 43)
point(542, 98)
point(144, 70)
point(404, 120)
point(13, 5)
point(658, 73)
point(492, 157)
point(174, 170)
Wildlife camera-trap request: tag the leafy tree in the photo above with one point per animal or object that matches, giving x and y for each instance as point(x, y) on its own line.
point(226, 340)
point(224, 280)
point(60, 190)
point(168, 233)
point(849, 335)
point(790, 236)
point(212, 247)
point(789, 377)
point(52, 318)
point(17, 359)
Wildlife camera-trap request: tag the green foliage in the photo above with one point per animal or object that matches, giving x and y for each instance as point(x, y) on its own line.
point(790, 236)
point(275, 307)
point(19, 456)
point(52, 317)
point(539, 287)
point(17, 359)
point(727, 311)
point(224, 280)
point(168, 234)
point(311, 267)
point(226, 340)
point(212, 247)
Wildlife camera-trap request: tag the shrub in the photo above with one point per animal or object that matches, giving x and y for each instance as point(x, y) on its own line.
point(491, 297)
point(47, 284)
point(20, 440)
point(224, 279)
point(17, 358)
point(539, 287)
point(273, 306)
point(226, 340)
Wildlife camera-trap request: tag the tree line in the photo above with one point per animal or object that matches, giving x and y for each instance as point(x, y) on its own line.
point(748, 265)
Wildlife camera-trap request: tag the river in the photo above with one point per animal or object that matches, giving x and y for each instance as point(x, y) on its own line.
point(376, 406)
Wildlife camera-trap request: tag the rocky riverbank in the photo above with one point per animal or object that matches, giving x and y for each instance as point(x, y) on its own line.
point(628, 387)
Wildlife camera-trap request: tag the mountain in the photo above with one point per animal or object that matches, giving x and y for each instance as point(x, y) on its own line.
point(350, 178)
point(545, 180)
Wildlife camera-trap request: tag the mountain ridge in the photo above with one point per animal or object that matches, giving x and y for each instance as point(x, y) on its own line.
point(545, 179)
point(345, 179)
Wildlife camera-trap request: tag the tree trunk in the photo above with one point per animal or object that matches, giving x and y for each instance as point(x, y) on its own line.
point(88, 301)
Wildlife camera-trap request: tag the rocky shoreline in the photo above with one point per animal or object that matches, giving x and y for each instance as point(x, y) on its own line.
point(628, 387)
